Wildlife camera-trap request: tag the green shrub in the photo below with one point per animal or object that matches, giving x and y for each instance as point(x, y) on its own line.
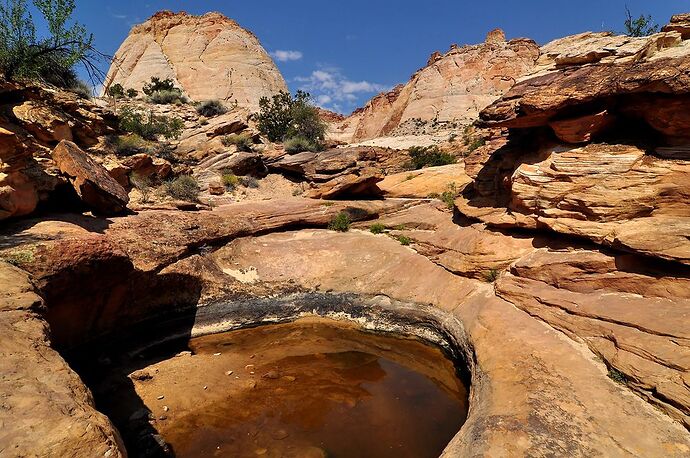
point(116, 91)
point(149, 126)
point(340, 223)
point(429, 156)
point(299, 145)
point(49, 52)
point(377, 228)
point(491, 275)
point(127, 145)
point(157, 84)
point(640, 27)
point(283, 117)
point(142, 184)
point(243, 142)
point(448, 196)
point(167, 97)
point(230, 180)
point(211, 108)
point(132, 93)
point(184, 187)
point(404, 240)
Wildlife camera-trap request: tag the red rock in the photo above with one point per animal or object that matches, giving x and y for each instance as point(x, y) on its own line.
point(91, 181)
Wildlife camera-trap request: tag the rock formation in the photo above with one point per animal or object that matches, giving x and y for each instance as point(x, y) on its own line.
point(208, 57)
point(453, 87)
point(552, 263)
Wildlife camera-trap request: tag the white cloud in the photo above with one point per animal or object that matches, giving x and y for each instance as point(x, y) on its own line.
point(334, 91)
point(286, 55)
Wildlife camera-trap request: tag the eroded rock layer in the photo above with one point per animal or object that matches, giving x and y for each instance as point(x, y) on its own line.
point(452, 87)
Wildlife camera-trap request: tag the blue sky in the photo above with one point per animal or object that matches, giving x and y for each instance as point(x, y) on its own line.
point(345, 52)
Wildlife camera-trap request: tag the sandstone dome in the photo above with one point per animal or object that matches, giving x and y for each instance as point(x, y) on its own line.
point(208, 56)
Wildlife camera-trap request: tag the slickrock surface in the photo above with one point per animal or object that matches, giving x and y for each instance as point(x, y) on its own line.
point(46, 409)
point(208, 57)
point(453, 87)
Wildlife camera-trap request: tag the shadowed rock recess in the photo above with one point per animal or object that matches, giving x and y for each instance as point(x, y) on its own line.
point(550, 263)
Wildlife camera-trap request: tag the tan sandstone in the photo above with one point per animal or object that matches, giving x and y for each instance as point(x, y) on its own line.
point(208, 57)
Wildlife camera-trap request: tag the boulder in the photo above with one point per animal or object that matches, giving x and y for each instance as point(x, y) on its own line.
point(351, 186)
point(208, 57)
point(90, 180)
point(425, 182)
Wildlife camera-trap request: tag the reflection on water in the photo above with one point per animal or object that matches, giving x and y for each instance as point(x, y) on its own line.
point(334, 401)
point(306, 389)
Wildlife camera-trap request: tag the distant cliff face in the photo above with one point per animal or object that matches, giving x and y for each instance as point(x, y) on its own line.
point(454, 86)
point(209, 57)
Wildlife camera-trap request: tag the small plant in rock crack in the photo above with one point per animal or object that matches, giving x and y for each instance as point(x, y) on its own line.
point(448, 196)
point(341, 223)
point(377, 228)
point(404, 240)
point(617, 376)
point(491, 275)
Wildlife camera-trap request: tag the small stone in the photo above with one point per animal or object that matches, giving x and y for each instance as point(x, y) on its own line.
point(289, 378)
point(205, 387)
point(272, 375)
point(280, 434)
point(216, 354)
point(249, 367)
point(166, 408)
point(184, 353)
point(261, 451)
point(228, 373)
point(252, 384)
point(141, 375)
point(163, 417)
point(160, 397)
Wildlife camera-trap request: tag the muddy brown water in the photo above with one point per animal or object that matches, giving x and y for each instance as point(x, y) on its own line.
point(311, 388)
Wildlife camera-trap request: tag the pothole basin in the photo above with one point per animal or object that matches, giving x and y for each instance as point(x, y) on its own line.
point(312, 388)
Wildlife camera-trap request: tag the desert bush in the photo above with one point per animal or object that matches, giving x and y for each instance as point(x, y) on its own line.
point(404, 240)
point(284, 116)
point(167, 97)
point(640, 27)
point(116, 91)
point(184, 187)
point(127, 145)
point(157, 84)
point(341, 222)
point(299, 145)
point(48, 53)
point(428, 156)
point(448, 196)
point(132, 93)
point(211, 108)
point(377, 228)
point(244, 141)
point(230, 180)
point(149, 126)
point(142, 184)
